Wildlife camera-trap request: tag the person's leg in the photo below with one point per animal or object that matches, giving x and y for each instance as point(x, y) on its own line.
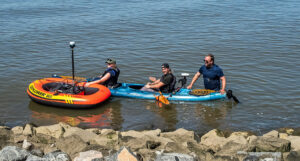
point(147, 89)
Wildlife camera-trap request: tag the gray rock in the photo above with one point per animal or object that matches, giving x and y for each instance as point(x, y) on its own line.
point(35, 158)
point(57, 156)
point(173, 157)
point(37, 152)
point(13, 153)
point(292, 156)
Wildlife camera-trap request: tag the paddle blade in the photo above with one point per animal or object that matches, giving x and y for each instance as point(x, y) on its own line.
point(201, 92)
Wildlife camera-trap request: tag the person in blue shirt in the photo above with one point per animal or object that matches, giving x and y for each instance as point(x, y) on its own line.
point(212, 75)
point(110, 76)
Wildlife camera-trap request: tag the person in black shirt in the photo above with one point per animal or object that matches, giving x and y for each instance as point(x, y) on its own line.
point(110, 76)
point(165, 84)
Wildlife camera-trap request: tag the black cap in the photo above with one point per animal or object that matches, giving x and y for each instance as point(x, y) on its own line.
point(165, 65)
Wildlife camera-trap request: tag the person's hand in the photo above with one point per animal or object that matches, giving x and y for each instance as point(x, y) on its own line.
point(147, 86)
point(86, 84)
point(189, 87)
point(153, 79)
point(222, 91)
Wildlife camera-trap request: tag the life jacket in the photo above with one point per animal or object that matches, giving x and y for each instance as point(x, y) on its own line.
point(170, 87)
point(114, 75)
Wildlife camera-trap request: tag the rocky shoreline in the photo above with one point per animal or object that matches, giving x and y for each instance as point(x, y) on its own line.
point(63, 142)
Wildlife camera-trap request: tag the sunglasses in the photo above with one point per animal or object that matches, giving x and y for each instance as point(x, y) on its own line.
point(205, 61)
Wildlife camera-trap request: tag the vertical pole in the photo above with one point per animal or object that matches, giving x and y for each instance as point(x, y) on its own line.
point(72, 45)
point(73, 73)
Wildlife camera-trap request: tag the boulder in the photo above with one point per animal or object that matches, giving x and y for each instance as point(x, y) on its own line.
point(85, 135)
point(150, 142)
point(231, 148)
point(35, 158)
point(110, 140)
point(272, 133)
point(18, 130)
point(214, 140)
point(71, 145)
point(26, 145)
point(174, 156)
point(283, 135)
point(291, 156)
point(13, 153)
point(295, 142)
point(107, 132)
point(89, 156)
point(28, 130)
point(57, 156)
point(123, 154)
point(55, 130)
point(94, 130)
point(181, 135)
point(272, 144)
point(5, 137)
point(138, 134)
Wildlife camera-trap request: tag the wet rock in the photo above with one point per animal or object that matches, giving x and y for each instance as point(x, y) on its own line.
point(91, 155)
point(173, 157)
point(272, 133)
point(28, 130)
point(272, 144)
point(18, 130)
point(55, 131)
point(123, 154)
point(57, 156)
point(10, 153)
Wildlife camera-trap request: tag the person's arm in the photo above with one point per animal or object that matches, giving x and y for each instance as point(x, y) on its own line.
point(223, 79)
point(103, 79)
point(157, 85)
point(195, 78)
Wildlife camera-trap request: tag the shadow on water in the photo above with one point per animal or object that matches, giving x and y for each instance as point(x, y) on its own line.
point(167, 113)
point(106, 115)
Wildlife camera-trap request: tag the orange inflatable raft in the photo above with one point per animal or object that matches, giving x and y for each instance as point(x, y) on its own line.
point(62, 92)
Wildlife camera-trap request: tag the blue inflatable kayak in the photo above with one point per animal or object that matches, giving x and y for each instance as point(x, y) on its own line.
point(131, 90)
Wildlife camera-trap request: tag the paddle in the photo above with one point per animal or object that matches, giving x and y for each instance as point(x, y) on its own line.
point(161, 98)
point(230, 95)
point(201, 92)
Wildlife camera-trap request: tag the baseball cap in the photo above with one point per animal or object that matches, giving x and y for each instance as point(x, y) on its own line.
point(165, 65)
point(110, 61)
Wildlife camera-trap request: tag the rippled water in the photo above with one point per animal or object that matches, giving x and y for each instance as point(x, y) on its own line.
point(257, 43)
